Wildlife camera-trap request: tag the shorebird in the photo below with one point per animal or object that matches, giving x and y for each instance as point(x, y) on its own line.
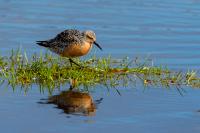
point(71, 43)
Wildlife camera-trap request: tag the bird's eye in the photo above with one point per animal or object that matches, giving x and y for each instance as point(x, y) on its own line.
point(90, 37)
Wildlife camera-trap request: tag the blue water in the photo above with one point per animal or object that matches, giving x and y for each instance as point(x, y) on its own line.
point(165, 31)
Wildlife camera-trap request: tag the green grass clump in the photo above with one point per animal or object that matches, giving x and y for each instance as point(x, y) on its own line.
point(48, 71)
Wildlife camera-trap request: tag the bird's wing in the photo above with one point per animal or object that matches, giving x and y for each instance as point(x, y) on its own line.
point(63, 40)
point(66, 38)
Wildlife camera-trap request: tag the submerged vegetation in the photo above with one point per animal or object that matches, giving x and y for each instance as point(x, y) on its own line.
point(48, 71)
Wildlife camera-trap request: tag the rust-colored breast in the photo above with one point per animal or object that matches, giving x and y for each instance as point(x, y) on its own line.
point(76, 50)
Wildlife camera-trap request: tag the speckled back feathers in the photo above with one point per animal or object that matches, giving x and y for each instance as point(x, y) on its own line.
point(63, 40)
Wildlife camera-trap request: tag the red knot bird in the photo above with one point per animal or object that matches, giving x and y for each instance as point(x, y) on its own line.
point(71, 43)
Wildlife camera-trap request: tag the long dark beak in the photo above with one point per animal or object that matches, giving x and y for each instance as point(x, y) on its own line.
point(98, 45)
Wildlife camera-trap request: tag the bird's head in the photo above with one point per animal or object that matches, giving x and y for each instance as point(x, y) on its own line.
point(91, 37)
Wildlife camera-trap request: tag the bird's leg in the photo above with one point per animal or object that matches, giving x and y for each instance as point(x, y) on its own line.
point(71, 61)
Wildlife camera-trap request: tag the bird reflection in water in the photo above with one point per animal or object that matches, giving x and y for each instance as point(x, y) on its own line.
point(75, 102)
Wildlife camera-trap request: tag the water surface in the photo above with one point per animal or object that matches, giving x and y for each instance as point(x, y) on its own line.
point(166, 31)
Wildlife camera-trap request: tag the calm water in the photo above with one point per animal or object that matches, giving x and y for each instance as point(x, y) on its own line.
point(166, 31)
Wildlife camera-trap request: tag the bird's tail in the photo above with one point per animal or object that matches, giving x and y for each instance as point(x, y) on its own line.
point(42, 43)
